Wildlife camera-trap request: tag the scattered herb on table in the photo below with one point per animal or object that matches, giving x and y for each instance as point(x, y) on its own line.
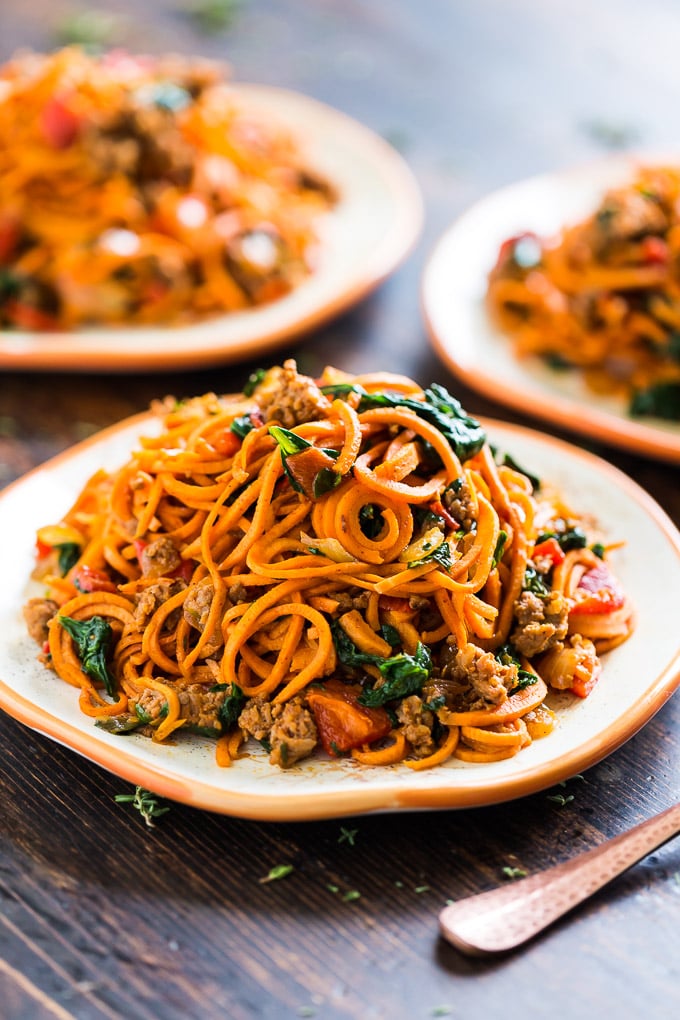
point(92, 29)
point(212, 15)
point(560, 799)
point(512, 873)
point(145, 802)
point(351, 895)
point(279, 871)
point(347, 835)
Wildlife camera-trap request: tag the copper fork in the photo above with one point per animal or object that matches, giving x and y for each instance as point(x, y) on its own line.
point(499, 920)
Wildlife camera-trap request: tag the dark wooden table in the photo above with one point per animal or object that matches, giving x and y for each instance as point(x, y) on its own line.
point(104, 917)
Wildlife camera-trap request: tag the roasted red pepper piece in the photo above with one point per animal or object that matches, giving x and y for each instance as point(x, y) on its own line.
point(226, 443)
point(342, 722)
point(58, 123)
point(438, 508)
point(28, 317)
point(90, 579)
point(306, 466)
point(655, 250)
point(551, 549)
point(598, 591)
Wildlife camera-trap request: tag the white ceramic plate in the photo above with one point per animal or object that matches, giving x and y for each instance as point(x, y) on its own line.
point(453, 289)
point(637, 678)
point(362, 240)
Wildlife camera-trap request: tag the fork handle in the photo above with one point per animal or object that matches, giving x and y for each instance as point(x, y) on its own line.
point(495, 921)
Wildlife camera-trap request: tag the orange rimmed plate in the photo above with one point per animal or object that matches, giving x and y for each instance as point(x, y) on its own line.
point(453, 300)
point(364, 238)
point(638, 677)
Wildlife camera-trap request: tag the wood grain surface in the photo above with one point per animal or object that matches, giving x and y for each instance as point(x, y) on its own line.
point(101, 916)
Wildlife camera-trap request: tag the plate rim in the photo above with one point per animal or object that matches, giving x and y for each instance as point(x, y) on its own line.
point(571, 414)
point(76, 353)
point(304, 805)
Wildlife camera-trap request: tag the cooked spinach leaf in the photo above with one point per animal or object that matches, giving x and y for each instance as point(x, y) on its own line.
point(69, 554)
point(509, 461)
point(534, 582)
point(464, 433)
point(92, 639)
point(232, 705)
point(508, 656)
point(242, 425)
point(404, 675)
point(121, 725)
point(253, 381)
point(661, 401)
point(500, 546)
point(573, 538)
point(440, 555)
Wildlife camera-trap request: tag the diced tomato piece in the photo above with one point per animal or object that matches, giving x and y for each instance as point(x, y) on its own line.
point(655, 250)
point(598, 591)
point(506, 249)
point(341, 721)
point(42, 550)
point(226, 443)
point(58, 123)
point(9, 238)
point(185, 570)
point(140, 546)
point(551, 549)
point(90, 579)
point(393, 604)
point(438, 508)
point(28, 317)
point(155, 291)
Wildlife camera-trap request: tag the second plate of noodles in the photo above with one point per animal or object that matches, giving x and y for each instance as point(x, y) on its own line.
point(341, 565)
point(155, 214)
point(555, 295)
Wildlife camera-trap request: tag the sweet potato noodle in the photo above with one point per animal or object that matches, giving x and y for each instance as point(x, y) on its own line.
point(603, 296)
point(141, 190)
point(342, 563)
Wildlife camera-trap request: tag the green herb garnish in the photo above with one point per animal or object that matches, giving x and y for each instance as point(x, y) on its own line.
point(145, 802)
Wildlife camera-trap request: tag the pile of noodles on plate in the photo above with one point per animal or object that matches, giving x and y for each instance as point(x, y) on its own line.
point(139, 190)
point(604, 296)
point(341, 564)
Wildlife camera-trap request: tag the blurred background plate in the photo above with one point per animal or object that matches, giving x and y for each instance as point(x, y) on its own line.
point(368, 233)
point(453, 291)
